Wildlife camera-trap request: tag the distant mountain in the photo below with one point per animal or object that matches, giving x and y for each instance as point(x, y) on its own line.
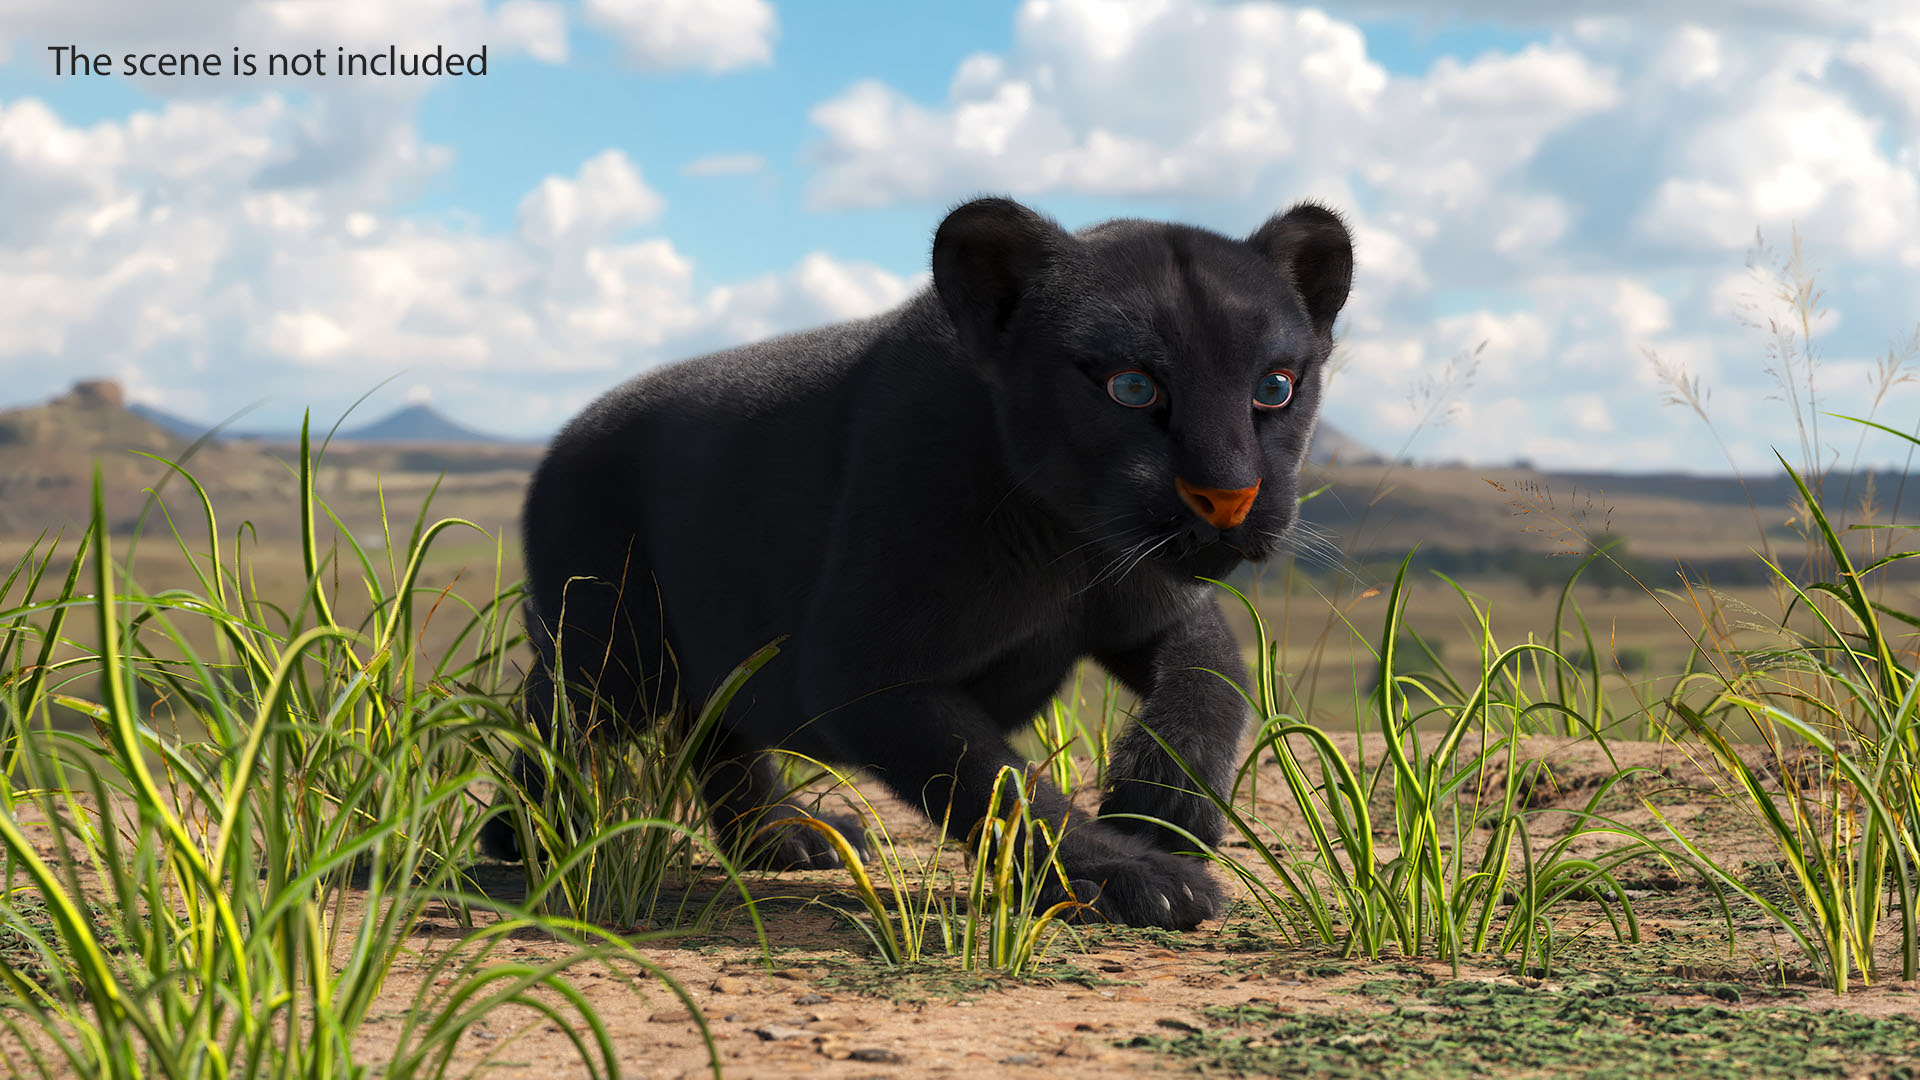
point(418, 424)
point(1331, 445)
point(174, 425)
point(412, 424)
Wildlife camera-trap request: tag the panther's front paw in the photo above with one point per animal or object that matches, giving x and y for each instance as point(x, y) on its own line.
point(783, 842)
point(1126, 881)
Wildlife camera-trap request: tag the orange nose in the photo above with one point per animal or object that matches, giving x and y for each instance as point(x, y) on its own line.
point(1222, 508)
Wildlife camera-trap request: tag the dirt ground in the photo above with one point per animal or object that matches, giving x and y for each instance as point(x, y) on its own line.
point(1234, 997)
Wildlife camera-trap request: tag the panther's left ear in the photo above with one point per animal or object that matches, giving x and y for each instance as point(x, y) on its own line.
point(987, 255)
point(1309, 243)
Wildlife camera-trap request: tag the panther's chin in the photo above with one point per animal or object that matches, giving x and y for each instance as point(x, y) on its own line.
point(1214, 559)
point(1257, 548)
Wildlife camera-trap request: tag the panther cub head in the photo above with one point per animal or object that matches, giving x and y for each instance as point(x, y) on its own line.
point(1156, 385)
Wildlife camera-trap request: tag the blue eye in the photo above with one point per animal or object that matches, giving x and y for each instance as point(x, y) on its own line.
point(1274, 389)
point(1133, 389)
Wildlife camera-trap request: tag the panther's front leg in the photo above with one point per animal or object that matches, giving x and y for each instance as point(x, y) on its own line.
point(1181, 676)
point(935, 747)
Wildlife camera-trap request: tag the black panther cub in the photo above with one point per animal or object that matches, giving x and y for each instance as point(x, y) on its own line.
point(941, 509)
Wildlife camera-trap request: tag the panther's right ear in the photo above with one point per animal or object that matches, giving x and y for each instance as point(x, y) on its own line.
point(1311, 245)
point(986, 255)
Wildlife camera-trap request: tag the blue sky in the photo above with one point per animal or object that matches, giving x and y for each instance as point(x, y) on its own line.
point(634, 181)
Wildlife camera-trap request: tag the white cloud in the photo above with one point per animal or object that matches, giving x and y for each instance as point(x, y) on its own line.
point(882, 147)
point(1446, 143)
point(1589, 413)
point(305, 337)
point(1888, 60)
point(818, 289)
point(1761, 15)
point(1508, 344)
point(605, 197)
point(536, 26)
point(1690, 57)
point(1791, 153)
point(1640, 312)
point(711, 34)
point(206, 290)
point(1111, 98)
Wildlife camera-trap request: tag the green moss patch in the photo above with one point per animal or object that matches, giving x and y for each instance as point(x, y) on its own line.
point(1616, 1028)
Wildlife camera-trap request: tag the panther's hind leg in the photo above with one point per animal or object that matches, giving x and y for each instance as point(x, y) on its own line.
point(499, 836)
point(600, 671)
point(751, 807)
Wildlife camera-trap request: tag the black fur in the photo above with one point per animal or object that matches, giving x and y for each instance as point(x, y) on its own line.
point(941, 509)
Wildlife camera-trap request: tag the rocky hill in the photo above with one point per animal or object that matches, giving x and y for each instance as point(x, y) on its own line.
point(48, 453)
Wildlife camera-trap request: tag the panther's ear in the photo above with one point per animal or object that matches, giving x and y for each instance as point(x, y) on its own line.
point(1309, 243)
point(986, 255)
